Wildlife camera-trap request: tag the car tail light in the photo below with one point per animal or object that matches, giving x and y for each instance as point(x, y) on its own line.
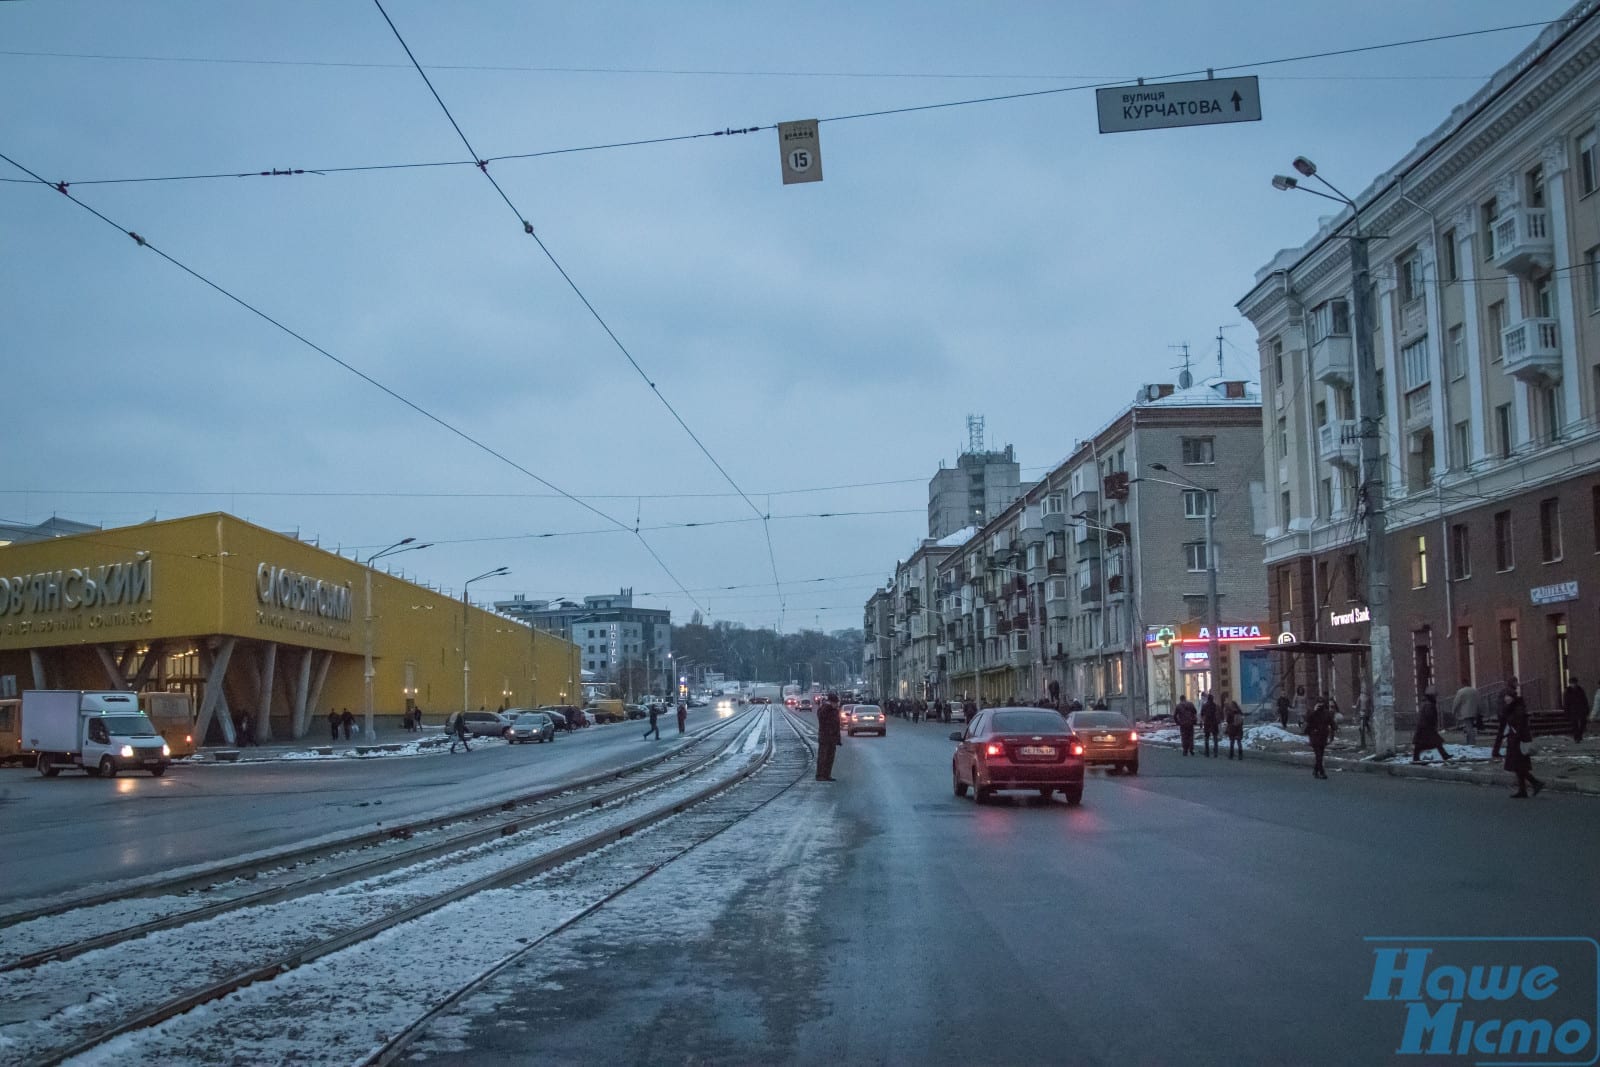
point(1077, 749)
point(993, 749)
point(1134, 736)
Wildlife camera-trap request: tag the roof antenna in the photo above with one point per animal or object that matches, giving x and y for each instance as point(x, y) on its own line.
point(1220, 372)
point(974, 434)
point(1185, 378)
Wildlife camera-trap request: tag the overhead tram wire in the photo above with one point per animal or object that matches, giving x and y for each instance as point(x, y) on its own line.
point(726, 132)
point(438, 420)
point(527, 227)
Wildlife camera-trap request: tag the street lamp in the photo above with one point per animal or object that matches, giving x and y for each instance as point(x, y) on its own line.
point(466, 670)
point(1213, 645)
point(403, 545)
point(1381, 664)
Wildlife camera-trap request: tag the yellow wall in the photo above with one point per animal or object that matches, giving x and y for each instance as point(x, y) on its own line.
point(208, 577)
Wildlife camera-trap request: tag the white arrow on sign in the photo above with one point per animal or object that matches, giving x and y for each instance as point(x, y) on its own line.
point(1165, 104)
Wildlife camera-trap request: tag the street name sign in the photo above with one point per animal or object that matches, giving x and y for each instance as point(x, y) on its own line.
point(800, 150)
point(1162, 105)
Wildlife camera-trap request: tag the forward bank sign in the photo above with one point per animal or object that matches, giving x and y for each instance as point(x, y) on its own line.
point(279, 587)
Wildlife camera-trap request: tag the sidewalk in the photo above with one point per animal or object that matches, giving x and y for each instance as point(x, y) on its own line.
point(1564, 766)
point(394, 742)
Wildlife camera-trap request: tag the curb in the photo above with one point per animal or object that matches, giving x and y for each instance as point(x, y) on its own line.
point(1400, 769)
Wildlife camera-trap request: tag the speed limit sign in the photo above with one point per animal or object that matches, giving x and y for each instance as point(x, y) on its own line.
point(800, 151)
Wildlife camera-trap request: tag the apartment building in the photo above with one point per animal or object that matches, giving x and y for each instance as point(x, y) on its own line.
point(1093, 583)
point(1485, 259)
point(913, 646)
point(877, 628)
point(972, 492)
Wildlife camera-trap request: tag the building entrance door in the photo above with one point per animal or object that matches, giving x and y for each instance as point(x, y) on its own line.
point(1558, 638)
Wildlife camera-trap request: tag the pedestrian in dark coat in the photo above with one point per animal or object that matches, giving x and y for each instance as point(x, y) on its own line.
point(1186, 716)
point(1426, 735)
point(683, 715)
point(1233, 719)
point(1364, 716)
point(828, 737)
point(333, 724)
point(346, 720)
point(1319, 731)
point(1283, 710)
point(1516, 733)
point(459, 734)
point(416, 719)
point(247, 730)
point(1511, 694)
point(1576, 703)
point(1211, 725)
point(969, 709)
point(655, 723)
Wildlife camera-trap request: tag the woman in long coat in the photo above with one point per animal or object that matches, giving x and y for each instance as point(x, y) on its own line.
point(1517, 734)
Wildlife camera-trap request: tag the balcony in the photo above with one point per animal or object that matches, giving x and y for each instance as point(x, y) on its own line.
point(1522, 243)
point(1059, 608)
point(1417, 410)
point(1333, 360)
point(1532, 351)
point(1021, 657)
point(1338, 443)
point(1085, 499)
point(1056, 565)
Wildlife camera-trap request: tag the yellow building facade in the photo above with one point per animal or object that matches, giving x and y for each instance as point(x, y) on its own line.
point(254, 623)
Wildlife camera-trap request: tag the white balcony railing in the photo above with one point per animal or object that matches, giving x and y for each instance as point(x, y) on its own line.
point(1418, 407)
point(1333, 359)
point(1522, 242)
point(1532, 350)
point(1337, 442)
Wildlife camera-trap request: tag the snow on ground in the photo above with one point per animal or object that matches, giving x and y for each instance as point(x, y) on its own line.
point(343, 1007)
point(136, 975)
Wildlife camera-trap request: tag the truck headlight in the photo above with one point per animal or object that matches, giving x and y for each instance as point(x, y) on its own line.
point(166, 750)
point(126, 751)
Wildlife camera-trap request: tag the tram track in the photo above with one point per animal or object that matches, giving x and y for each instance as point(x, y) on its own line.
point(259, 942)
point(298, 871)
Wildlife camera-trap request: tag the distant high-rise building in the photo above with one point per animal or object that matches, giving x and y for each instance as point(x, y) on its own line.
point(976, 489)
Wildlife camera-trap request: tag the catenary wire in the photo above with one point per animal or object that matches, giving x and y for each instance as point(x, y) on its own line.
point(997, 98)
point(527, 227)
point(363, 375)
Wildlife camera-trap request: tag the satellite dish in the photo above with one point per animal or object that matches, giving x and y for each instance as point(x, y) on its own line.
point(1185, 379)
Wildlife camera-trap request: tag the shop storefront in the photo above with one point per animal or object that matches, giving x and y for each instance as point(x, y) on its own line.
point(250, 622)
point(1178, 658)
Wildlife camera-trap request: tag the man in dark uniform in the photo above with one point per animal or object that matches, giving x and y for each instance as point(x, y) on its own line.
point(1211, 725)
point(828, 739)
point(1186, 716)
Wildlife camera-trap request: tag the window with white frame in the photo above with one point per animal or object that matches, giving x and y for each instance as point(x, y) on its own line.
point(1488, 211)
point(1449, 261)
point(1331, 318)
point(1456, 350)
point(1194, 555)
point(1497, 324)
point(1588, 164)
point(1194, 503)
point(1056, 589)
point(1414, 369)
point(1591, 277)
point(1199, 451)
point(1409, 270)
point(1052, 504)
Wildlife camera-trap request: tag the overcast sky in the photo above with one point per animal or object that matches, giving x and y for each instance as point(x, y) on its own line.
point(1002, 259)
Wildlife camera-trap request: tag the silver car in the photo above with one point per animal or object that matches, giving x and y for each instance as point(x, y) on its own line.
point(530, 726)
point(868, 719)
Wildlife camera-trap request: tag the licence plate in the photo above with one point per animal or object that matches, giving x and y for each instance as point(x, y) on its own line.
point(1106, 739)
point(1037, 750)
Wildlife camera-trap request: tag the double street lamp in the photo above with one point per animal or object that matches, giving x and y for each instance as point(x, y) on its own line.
point(466, 604)
point(403, 545)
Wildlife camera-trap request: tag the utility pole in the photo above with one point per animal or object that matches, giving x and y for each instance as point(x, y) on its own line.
point(1214, 644)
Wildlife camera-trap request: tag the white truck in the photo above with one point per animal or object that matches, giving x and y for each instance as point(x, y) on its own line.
point(93, 732)
point(765, 694)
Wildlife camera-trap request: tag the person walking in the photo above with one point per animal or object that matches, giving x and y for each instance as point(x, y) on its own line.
point(683, 715)
point(1517, 734)
point(828, 737)
point(1233, 717)
point(1576, 703)
point(416, 719)
point(1186, 716)
point(1464, 706)
point(1211, 725)
point(1426, 735)
point(655, 722)
point(1283, 710)
point(1508, 696)
point(1319, 731)
point(459, 732)
point(333, 724)
point(346, 720)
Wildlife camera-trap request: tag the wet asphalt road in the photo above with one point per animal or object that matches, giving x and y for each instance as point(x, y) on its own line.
point(1204, 912)
point(61, 833)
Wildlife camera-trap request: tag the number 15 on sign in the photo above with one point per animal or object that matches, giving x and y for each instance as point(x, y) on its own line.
point(800, 151)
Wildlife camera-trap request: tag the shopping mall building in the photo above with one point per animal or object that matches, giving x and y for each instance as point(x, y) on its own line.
point(254, 623)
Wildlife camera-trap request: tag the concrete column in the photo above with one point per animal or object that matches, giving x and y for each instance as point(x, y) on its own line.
point(302, 692)
point(1468, 260)
point(1389, 361)
point(36, 661)
point(269, 662)
point(214, 698)
point(319, 675)
point(1555, 195)
point(114, 675)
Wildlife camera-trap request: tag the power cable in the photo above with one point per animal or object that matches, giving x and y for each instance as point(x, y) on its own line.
point(527, 228)
point(480, 162)
point(325, 353)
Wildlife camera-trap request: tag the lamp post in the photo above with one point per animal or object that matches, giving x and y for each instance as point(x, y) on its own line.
point(403, 545)
point(466, 669)
point(1213, 645)
point(1380, 686)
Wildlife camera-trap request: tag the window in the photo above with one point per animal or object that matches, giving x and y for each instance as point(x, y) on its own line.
point(1409, 269)
point(1330, 319)
point(1325, 493)
point(1277, 360)
point(1510, 654)
point(1502, 427)
point(1414, 371)
point(1588, 171)
point(1355, 586)
point(1466, 657)
point(1533, 187)
point(1591, 277)
point(1194, 503)
point(1550, 529)
point(1198, 451)
point(1194, 554)
point(1283, 507)
point(1322, 413)
point(1447, 257)
point(1460, 552)
point(1052, 504)
point(1505, 553)
point(1497, 324)
point(1461, 445)
point(1419, 562)
point(1283, 437)
point(1455, 347)
point(1488, 213)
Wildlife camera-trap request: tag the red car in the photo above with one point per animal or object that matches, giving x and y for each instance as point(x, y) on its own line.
point(1017, 748)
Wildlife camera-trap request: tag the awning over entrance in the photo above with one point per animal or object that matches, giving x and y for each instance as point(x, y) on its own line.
point(1317, 648)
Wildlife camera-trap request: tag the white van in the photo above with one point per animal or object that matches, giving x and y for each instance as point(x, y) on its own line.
point(93, 732)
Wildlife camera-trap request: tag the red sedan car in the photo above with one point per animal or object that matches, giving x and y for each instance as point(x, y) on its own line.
point(1017, 748)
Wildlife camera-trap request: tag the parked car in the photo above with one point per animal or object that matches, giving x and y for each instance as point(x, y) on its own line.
point(636, 711)
point(560, 714)
point(530, 726)
point(1017, 748)
point(868, 719)
point(486, 723)
point(696, 702)
point(1108, 737)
